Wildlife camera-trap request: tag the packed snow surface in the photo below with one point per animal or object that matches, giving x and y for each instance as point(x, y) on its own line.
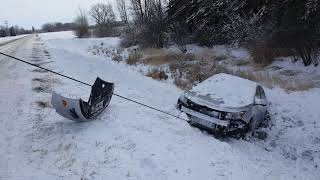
point(223, 91)
point(128, 141)
point(11, 38)
point(58, 35)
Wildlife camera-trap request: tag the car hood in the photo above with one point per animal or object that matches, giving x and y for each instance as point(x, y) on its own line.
point(224, 92)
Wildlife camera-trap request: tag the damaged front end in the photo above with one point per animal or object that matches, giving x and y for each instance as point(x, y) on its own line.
point(216, 120)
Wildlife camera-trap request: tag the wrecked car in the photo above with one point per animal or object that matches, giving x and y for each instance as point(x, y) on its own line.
point(225, 103)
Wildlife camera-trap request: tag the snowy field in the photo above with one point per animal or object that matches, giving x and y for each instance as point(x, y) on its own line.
point(128, 141)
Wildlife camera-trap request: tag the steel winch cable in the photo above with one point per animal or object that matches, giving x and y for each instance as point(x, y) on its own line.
point(81, 82)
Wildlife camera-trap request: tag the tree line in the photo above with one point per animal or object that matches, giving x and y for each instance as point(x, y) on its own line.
point(273, 27)
point(13, 31)
point(105, 22)
point(266, 27)
point(57, 26)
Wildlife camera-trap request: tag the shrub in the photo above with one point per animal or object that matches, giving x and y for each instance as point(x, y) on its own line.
point(262, 54)
point(300, 43)
point(117, 57)
point(81, 28)
point(160, 56)
point(129, 37)
point(134, 58)
point(306, 45)
point(158, 74)
point(186, 71)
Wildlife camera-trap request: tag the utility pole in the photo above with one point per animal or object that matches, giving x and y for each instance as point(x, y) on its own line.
point(7, 27)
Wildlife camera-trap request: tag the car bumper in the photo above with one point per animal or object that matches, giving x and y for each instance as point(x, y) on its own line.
point(203, 119)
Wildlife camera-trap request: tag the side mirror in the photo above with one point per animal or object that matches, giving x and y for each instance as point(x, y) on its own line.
point(260, 97)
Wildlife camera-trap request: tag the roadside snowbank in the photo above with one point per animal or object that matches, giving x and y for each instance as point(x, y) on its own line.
point(57, 35)
point(11, 38)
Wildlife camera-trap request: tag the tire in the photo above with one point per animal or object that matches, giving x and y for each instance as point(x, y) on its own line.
point(266, 121)
point(190, 120)
point(249, 130)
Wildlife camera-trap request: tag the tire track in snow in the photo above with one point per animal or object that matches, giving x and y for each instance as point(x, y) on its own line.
point(10, 106)
point(44, 131)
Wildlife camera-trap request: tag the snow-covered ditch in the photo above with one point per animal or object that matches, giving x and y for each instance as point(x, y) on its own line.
point(130, 142)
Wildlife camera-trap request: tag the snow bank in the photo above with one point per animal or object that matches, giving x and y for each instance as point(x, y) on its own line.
point(296, 126)
point(57, 35)
point(218, 50)
point(10, 38)
point(82, 46)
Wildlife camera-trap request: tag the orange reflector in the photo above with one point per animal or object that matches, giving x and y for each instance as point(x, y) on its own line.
point(65, 104)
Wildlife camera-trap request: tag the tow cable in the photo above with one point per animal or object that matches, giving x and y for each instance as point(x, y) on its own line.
point(84, 83)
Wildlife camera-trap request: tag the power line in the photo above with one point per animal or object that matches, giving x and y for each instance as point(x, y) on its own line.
point(81, 82)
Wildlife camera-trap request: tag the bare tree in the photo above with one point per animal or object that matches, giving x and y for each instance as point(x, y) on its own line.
point(102, 13)
point(104, 17)
point(122, 8)
point(138, 10)
point(81, 24)
point(149, 19)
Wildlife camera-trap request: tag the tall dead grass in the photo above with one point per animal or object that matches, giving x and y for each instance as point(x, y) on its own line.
point(134, 58)
point(158, 74)
point(186, 74)
point(188, 70)
point(272, 80)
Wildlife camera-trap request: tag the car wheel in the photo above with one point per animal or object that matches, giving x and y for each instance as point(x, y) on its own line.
point(266, 121)
point(190, 119)
point(250, 128)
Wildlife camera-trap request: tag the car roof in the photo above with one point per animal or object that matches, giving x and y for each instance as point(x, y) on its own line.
point(223, 91)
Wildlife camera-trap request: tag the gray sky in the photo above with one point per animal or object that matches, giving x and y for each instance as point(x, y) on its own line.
point(28, 13)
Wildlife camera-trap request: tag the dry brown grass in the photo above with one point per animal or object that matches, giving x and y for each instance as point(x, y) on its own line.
point(156, 57)
point(186, 75)
point(188, 70)
point(271, 81)
point(158, 74)
point(290, 72)
point(134, 58)
point(242, 63)
point(160, 59)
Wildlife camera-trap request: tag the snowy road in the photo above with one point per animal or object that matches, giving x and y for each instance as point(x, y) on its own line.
point(128, 141)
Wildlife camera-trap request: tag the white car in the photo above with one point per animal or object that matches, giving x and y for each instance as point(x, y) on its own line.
point(225, 103)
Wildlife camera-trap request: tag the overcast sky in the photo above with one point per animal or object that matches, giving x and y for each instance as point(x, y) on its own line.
point(28, 13)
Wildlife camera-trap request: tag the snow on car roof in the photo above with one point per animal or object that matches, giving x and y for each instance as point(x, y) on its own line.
point(223, 91)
